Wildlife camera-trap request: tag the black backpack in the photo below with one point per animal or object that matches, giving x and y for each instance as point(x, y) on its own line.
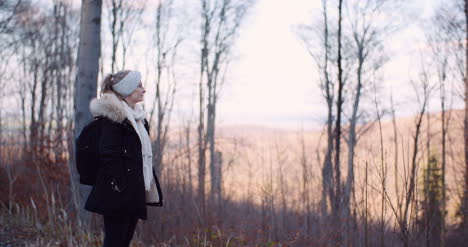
point(87, 152)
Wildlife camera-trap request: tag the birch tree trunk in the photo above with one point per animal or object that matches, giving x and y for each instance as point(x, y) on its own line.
point(89, 51)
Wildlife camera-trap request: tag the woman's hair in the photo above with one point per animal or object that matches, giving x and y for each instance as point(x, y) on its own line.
point(112, 79)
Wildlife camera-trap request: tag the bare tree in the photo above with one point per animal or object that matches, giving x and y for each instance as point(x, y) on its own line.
point(339, 103)
point(441, 53)
point(305, 192)
point(406, 205)
point(63, 69)
point(324, 62)
point(168, 38)
point(452, 20)
point(367, 58)
point(446, 38)
point(116, 31)
point(123, 18)
point(85, 87)
point(221, 20)
point(363, 38)
point(411, 184)
point(327, 176)
point(383, 165)
point(8, 11)
point(395, 146)
point(328, 58)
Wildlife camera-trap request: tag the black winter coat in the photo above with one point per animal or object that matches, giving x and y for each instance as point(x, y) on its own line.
point(119, 188)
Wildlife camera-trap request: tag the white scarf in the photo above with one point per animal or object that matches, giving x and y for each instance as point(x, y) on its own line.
point(137, 118)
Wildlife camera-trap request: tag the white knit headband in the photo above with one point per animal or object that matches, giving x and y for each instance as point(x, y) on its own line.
point(128, 84)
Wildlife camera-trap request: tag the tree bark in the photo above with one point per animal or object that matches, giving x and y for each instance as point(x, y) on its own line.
point(201, 113)
point(115, 31)
point(336, 206)
point(327, 169)
point(89, 51)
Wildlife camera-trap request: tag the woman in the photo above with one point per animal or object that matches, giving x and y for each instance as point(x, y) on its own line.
point(126, 181)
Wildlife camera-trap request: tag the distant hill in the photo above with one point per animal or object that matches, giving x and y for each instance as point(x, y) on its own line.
point(260, 161)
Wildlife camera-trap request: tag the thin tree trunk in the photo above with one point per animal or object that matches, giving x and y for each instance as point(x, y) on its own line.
point(352, 141)
point(366, 230)
point(201, 144)
point(395, 143)
point(427, 218)
point(159, 61)
point(305, 186)
point(33, 132)
point(60, 49)
point(327, 169)
point(444, 150)
point(23, 102)
point(412, 176)
point(161, 105)
point(337, 182)
point(465, 191)
point(189, 159)
point(42, 106)
point(383, 170)
point(116, 33)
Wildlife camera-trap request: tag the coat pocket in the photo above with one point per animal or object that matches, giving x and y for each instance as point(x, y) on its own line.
point(115, 178)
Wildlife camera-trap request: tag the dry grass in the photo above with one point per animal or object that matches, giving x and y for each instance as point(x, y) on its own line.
point(262, 177)
point(21, 226)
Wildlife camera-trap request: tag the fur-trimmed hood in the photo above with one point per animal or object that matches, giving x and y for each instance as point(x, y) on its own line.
point(108, 106)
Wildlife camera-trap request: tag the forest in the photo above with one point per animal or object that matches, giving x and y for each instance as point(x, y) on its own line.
point(388, 165)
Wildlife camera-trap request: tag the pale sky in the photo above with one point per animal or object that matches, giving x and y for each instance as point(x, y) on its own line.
point(275, 81)
point(272, 83)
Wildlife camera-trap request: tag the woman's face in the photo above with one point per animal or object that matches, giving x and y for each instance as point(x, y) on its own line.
point(137, 95)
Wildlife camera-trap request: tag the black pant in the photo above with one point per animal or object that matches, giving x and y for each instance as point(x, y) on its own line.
point(119, 230)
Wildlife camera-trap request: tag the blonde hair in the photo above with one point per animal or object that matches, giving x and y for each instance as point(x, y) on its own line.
point(112, 79)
